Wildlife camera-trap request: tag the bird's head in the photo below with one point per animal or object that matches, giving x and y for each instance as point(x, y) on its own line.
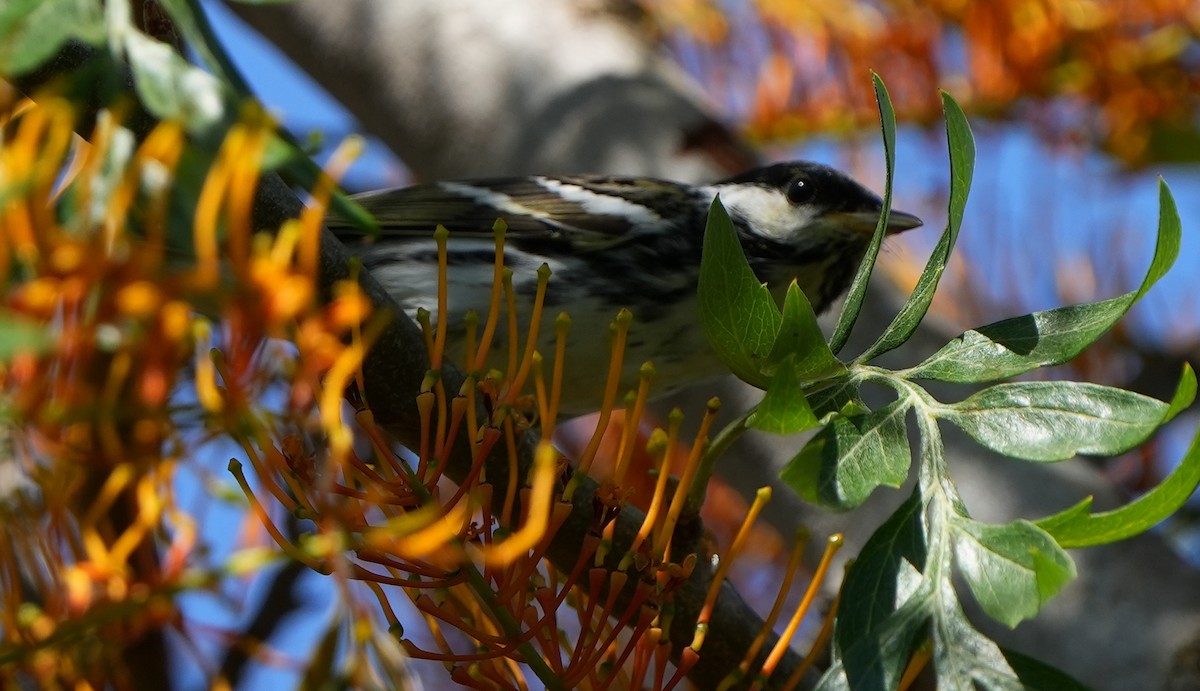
point(805, 221)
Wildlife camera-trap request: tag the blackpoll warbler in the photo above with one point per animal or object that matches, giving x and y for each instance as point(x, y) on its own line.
point(619, 242)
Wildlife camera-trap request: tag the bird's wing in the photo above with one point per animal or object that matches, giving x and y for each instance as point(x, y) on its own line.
point(586, 213)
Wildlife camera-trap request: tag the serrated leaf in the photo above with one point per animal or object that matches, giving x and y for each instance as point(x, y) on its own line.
point(840, 466)
point(962, 167)
point(1076, 527)
point(737, 313)
point(1012, 346)
point(965, 659)
point(784, 409)
point(1011, 569)
point(858, 288)
point(32, 31)
point(1054, 421)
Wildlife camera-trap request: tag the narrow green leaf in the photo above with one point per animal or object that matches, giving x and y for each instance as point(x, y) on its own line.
point(32, 31)
point(1185, 394)
point(785, 409)
point(1011, 569)
point(858, 289)
point(840, 466)
point(1012, 346)
point(1076, 527)
point(962, 168)
point(800, 338)
point(737, 313)
point(1054, 421)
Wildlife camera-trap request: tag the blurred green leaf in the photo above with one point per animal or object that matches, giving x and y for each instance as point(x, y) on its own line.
point(1011, 569)
point(858, 289)
point(851, 456)
point(32, 31)
point(20, 334)
point(170, 87)
point(737, 313)
point(962, 167)
point(1017, 345)
point(1054, 421)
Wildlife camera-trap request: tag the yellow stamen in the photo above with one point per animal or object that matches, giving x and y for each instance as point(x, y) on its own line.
point(439, 342)
point(517, 383)
point(831, 548)
point(685, 481)
point(761, 497)
point(620, 328)
point(537, 515)
point(799, 542)
point(633, 420)
point(489, 327)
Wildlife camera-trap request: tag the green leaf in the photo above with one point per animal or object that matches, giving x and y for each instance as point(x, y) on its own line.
point(737, 313)
point(1036, 675)
point(1011, 569)
point(962, 167)
point(840, 466)
point(800, 338)
point(875, 638)
point(858, 289)
point(841, 396)
point(32, 31)
point(785, 409)
point(877, 662)
point(1054, 421)
point(882, 578)
point(19, 334)
point(1076, 527)
point(1017, 345)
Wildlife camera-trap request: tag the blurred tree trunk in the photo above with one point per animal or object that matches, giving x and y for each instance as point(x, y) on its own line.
point(459, 88)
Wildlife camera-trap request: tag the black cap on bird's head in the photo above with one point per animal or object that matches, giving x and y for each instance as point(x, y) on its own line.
point(805, 221)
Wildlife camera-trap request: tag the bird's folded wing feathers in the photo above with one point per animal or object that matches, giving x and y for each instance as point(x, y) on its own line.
point(588, 213)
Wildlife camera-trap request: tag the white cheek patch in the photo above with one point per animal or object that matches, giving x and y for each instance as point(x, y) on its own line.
point(766, 211)
point(601, 204)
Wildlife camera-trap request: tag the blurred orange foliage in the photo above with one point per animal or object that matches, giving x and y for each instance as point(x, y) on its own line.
point(1120, 75)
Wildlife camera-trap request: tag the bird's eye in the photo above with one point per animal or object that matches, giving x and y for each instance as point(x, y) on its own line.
point(800, 191)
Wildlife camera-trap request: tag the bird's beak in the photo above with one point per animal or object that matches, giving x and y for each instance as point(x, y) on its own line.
point(865, 221)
